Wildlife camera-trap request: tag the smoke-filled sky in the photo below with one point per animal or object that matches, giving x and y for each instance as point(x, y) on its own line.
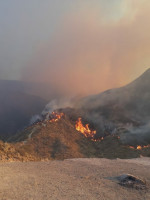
point(76, 46)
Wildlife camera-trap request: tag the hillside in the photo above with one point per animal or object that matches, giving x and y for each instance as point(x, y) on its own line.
point(134, 97)
point(126, 108)
point(118, 128)
point(60, 140)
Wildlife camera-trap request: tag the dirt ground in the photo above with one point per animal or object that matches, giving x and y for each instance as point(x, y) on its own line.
point(72, 179)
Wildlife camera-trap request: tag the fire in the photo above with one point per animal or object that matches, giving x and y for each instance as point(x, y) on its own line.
point(98, 139)
point(85, 130)
point(56, 116)
point(139, 147)
point(131, 147)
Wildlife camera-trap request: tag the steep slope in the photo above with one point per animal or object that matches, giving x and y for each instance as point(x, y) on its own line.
point(134, 97)
point(126, 108)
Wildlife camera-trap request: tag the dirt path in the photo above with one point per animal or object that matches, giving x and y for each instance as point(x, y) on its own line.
point(73, 179)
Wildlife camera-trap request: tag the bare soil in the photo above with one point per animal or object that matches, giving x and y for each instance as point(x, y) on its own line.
point(72, 179)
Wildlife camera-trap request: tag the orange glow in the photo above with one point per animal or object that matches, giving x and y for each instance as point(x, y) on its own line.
point(85, 130)
point(140, 147)
point(131, 147)
point(55, 116)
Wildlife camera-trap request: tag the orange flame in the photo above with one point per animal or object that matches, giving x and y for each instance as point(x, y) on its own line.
point(55, 116)
point(139, 147)
point(85, 130)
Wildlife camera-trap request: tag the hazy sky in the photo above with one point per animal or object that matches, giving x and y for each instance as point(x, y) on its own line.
point(81, 46)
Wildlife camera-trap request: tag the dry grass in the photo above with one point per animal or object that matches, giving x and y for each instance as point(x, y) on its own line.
point(59, 141)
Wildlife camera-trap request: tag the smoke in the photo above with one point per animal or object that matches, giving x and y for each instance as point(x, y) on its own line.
point(54, 105)
point(90, 53)
point(58, 104)
point(135, 136)
point(35, 118)
point(102, 125)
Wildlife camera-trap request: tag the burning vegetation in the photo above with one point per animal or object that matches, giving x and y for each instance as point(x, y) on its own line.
point(85, 130)
point(54, 117)
point(61, 140)
point(88, 133)
point(139, 147)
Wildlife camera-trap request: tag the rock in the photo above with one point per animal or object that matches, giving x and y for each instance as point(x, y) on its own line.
point(130, 181)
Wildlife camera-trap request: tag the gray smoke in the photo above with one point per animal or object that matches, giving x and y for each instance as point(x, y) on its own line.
point(56, 104)
point(35, 118)
point(137, 135)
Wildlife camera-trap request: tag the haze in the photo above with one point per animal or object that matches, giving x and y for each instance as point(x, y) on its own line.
point(77, 47)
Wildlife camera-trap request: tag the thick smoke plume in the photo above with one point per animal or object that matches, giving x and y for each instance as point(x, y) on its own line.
point(90, 53)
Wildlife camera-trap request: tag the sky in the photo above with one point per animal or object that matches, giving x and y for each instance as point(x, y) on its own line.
point(76, 46)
